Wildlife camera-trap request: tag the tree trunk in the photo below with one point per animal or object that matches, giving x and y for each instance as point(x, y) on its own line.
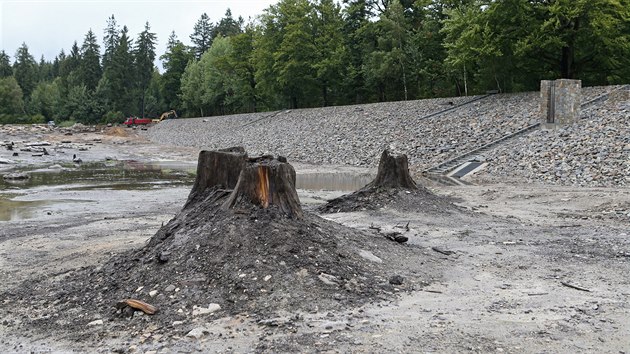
point(217, 170)
point(393, 172)
point(266, 182)
point(566, 64)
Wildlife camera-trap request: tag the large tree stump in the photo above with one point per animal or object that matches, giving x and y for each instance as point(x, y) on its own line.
point(393, 172)
point(217, 170)
point(266, 182)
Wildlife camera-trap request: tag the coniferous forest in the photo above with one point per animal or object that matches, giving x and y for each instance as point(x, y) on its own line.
point(312, 53)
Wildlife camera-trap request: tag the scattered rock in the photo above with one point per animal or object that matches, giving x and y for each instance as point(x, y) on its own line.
point(370, 256)
point(396, 280)
point(197, 333)
point(96, 323)
point(328, 279)
point(200, 311)
point(274, 322)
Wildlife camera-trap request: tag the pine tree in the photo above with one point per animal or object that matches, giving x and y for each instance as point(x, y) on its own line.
point(5, 65)
point(144, 57)
point(228, 27)
point(25, 70)
point(110, 41)
point(44, 70)
point(120, 76)
point(90, 67)
point(202, 35)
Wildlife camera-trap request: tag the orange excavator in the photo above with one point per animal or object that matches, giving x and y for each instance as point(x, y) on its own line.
point(166, 115)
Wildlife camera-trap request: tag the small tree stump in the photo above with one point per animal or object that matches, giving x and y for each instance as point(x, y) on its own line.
point(266, 182)
point(393, 172)
point(217, 170)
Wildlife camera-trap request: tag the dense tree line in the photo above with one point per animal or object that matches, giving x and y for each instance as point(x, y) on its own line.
point(308, 53)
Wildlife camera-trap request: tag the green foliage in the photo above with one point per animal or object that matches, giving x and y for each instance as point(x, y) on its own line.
point(174, 62)
point(67, 123)
point(144, 55)
point(25, 70)
point(10, 97)
point(243, 82)
point(305, 53)
point(38, 119)
point(110, 41)
point(113, 117)
point(46, 99)
point(5, 65)
point(90, 67)
point(228, 27)
point(202, 35)
point(193, 89)
point(119, 80)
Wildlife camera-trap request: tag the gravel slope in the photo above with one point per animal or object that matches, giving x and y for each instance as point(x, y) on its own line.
point(593, 152)
point(356, 135)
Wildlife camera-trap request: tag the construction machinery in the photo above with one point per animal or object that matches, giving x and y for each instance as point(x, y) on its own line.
point(166, 115)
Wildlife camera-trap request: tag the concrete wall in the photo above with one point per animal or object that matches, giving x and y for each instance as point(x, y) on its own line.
point(560, 101)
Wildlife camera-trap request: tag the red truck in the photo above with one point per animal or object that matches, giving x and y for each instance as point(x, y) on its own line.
point(131, 121)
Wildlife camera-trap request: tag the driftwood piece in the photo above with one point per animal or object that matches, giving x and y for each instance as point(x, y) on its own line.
point(444, 252)
point(137, 305)
point(266, 182)
point(568, 285)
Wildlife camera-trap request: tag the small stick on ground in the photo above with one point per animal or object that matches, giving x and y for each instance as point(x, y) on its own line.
point(444, 252)
point(574, 286)
point(406, 227)
point(378, 229)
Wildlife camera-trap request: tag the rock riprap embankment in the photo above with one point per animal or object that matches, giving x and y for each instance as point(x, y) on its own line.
point(593, 152)
point(355, 135)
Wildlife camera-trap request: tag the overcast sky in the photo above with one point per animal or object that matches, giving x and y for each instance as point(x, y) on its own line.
point(47, 26)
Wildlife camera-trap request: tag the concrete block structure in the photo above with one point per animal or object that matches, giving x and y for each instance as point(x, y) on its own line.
point(560, 102)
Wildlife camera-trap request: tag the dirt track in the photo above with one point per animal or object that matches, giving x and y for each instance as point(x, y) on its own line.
point(507, 287)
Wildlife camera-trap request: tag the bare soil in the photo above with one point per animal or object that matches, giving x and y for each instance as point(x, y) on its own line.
point(505, 267)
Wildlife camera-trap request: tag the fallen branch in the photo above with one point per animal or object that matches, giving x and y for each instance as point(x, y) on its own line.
point(406, 227)
point(433, 291)
point(444, 252)
point(537, 294)
point(574, 287)
point(378, 229)
point(137, 305)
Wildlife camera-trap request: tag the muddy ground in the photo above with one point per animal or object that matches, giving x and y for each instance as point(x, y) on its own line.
point(516, 268)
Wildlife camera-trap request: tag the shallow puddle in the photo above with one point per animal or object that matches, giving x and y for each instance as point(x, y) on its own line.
point(113, 175)
point(132, 175)
point(346, 182)
point(119, 175)
point(19, 210)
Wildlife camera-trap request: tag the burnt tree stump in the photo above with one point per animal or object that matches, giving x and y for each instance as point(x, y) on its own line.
point(393, 172)
point(217, 170)
point(266, 182)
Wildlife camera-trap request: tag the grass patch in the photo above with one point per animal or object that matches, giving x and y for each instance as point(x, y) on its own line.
point(67, 123)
